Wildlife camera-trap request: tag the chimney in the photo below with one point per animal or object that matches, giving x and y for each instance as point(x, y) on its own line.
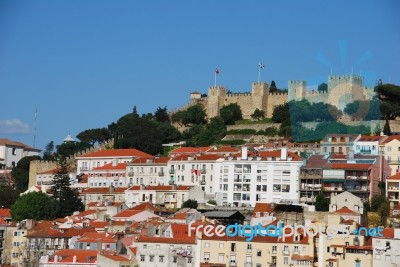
point(111, 189)
point(55, 258)
point(114, 162)
point(244, 152)
point(283, 153)
point(74, 259)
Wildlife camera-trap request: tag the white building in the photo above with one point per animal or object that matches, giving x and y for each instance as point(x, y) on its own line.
point(387, 248)
point(391, 150)
point(148, 171)
point(111, 174)
point(11, 152)
point(194, 170)
point(170, 196)
point(100, 158)
point(264, 176)
point(366, 144)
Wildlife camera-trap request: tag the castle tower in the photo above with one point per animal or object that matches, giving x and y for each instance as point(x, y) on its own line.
point(344, 89)
point(215, 100)
point(259, 94)
point(297, 90)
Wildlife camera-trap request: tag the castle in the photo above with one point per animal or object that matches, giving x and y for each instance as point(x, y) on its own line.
point(342, 89)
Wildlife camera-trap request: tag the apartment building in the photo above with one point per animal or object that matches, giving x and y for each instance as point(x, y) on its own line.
point(246, 178)
point(369, 145)
point(111, 174)
point(391, 150)
point(12, 151)
point(338, 143)
point(393, 190)
point(148, 171)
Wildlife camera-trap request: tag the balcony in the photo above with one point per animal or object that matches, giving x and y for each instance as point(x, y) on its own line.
point(82, 169)
point(285, 252)
point(203, 171)
point(333, 188)
point(131, 174)
point(248, 264)
point(310, 175)
point(160, 173)
point(172, 171)
point(357, 188)
point(203, 182)
point(232, 263)
point(351, 177)
point(391, 188)
point(171, 181)
point(365, 151)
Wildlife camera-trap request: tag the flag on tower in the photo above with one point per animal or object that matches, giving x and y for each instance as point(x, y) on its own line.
point(216, 71)
point(261, 66)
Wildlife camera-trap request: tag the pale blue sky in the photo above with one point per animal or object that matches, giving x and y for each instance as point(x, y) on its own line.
point(84, 64)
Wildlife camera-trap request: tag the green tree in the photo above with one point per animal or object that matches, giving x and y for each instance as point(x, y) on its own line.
point(67, 149)
point(389, 97)
point(231, 113)
point(212, 202)
point(214, 131)
point(272, 87)
point(271, 131)
point(321, 203)
point(8, 196)
point(381, 205)
point(190, 203)
point(67, 198)
point(20, 173)
point(93, 136)
point(161, 114)
point(386, 128)
point(281, 113)
point(34, 205)
point(323, 87)
point(193, 115)
point(258, 114)
point(49, 151)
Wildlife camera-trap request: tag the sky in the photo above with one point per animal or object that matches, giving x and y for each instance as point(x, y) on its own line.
point(84, 64)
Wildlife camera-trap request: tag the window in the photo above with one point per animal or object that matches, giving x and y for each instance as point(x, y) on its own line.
point(207, 244)
point(221, 245)
point(142, 257)
point(389, 149)
point(274, 249)
point(145, 246)
point(358, 263)
point(151, 258)
point(161, 259)
point(258, 253)
point(14, 151)
point(221, 257)
point(248, 247)
point(285, 260)
point(206, 257)
point(175, 259)
point(189, 260)
point(233, 247)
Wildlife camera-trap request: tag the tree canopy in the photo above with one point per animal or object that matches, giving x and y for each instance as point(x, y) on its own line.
point(8, 196)
point(34, 205)
point(161, 114)
point(193, 115)
point(20, 173)
point(323, 87)
point(321, 203)
point(93, 136)
point(190, 203)
point(258, 114)
point(67, 198)
point(231, 113)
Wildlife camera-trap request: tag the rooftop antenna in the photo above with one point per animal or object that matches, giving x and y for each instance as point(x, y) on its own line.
point(34, 131)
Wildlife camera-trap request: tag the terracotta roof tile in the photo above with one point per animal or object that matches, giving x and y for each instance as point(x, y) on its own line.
point(5, 212)
point(391, 138)
point(82, 256)
point(345, 210)
point(150, 160)
point(115, 257)
point(131, 152)
point(103, 190)
point(395, 177)
point(262, 207)
point(109, 166)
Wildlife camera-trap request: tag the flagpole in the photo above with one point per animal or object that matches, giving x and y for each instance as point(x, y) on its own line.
point(215, 78)
point(259, 71)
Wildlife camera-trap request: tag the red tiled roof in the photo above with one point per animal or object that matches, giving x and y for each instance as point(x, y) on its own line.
point(391, 138)
point(349, 166)
point(262, 207)
point(360, 247)
point(224, 149)
point(93, 237)
point(109, 166)
point(103, 190)
point(387, 233)
point(115, 257)
point(45, 229)
point(85, 213)
point(82, 256)
point(5, 212)
point(145, 206)
point(302, 257)
point(98, 224)
point(7, 142)
point(127, 213)
point(395, 177)
point(345, 210)
point(130, 152)
point(369, 138)
point(151, 160)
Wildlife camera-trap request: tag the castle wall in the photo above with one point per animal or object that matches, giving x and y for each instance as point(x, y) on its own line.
point(275, 99)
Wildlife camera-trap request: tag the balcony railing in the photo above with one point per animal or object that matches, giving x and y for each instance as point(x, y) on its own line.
point(202, 182)
point(352, 177)
point(160, 173)
point(171, 171)
point(203, 171)
point(286, 252)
